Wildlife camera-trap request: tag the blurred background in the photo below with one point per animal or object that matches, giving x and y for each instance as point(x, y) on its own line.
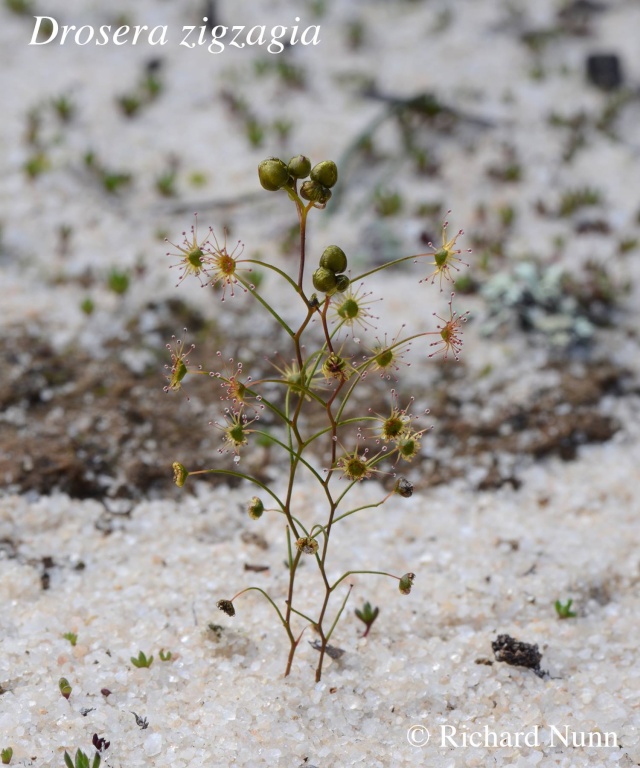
point(521, 118)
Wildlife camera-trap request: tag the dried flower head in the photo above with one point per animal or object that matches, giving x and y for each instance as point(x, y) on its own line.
point(353, 308)
point(356, 467)
point(385, 356)
point(408, 447)
point(307, 545)
point(223, 265)
point(192, 254)
point(180, 474)
point(336, 367)
point(208, 258)
point(450, 333)
point(235, 431)
point(445, 257)
point(179, 363)
point(397, 424)
point(298, 383)
point(236, 387)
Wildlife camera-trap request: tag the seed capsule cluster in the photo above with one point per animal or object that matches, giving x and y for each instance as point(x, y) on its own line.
point(328, 278)
point(275, 174)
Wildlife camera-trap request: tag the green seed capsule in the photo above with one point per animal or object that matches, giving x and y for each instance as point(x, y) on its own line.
point(342, 283)
point(325, 173)
point(256, 508)
point(324, 280)
point(406, 582)
point(64, 687)
point(311, 190)
point(334, 258)
point(299, 167)
point(273, 174)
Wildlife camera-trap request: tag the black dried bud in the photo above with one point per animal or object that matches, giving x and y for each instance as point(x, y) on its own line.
point(404, 488)
point(226, 606)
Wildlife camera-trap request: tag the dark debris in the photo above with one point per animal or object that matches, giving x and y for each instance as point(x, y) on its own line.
point(517, 653)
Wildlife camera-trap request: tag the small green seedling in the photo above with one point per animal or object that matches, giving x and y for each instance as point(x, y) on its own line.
point(64, 108)
point(19, 7)
point(142, 660)
point(65, 687)
point(6, 755)
point(564, 611)
point(36, 164)
point(147, 90)
point(112, 181)
point(367, 615)
point(165, 655)
point(388, 202)
point(129, 103)
point(118, 281)
point(71, 637)
point(197, 179)
point(87, 306)
point(166, 183)
point(574, 199)
point(82, 761)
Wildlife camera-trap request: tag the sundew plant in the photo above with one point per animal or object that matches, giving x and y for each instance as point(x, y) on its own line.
point(314, 419)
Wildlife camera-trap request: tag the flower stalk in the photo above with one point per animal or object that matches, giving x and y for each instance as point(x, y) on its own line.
point(325, 373)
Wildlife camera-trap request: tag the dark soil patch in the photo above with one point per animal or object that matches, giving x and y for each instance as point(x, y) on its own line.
point(556, 421)
point(95, 428)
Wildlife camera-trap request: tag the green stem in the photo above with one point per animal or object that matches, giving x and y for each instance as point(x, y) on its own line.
point(264, 594)
point(303, 391)
point(302, 615)
point(335, 621)
point(268, 307)
point(296, 455)
point(251, 479)
point(274, 269)
point(353, 573)
point(365, 506)
point(389, 264)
